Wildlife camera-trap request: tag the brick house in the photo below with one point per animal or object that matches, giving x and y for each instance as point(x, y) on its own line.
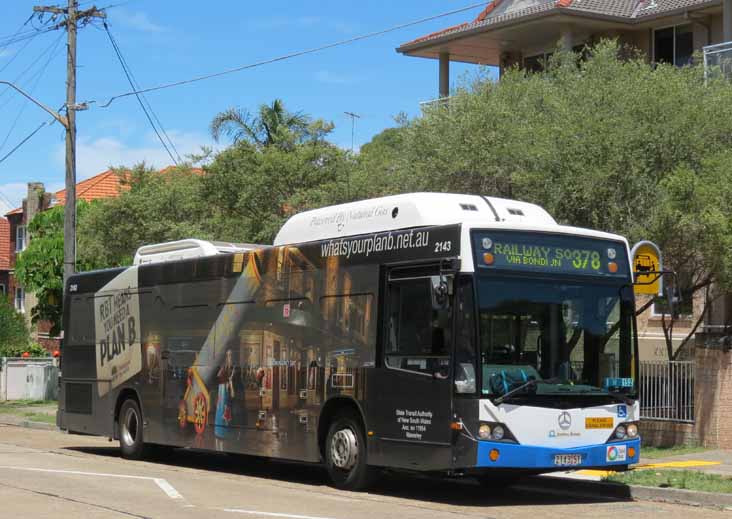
point(4, 256)
point(104, 185)
point(526, 32)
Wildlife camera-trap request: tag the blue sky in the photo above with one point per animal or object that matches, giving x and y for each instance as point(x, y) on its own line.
point(164, 41)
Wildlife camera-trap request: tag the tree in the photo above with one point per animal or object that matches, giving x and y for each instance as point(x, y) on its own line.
point(14, 337)
point(39, 268)
point(598, 142)
point(151, 208)
point(273, 125)
point(250, 192)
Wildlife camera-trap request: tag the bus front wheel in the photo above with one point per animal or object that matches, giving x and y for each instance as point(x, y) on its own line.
point(345, 454)
point(130, 431)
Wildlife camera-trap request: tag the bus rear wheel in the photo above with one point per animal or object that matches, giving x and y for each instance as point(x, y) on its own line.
point(345, 454)
point(130, 426)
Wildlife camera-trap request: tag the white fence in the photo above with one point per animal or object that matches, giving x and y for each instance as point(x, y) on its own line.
point(28, 379)
point(667, 390)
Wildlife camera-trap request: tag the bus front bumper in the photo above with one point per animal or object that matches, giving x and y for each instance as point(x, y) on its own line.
point(514, 456)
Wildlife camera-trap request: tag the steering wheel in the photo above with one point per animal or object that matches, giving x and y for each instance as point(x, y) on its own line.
point(497, 383)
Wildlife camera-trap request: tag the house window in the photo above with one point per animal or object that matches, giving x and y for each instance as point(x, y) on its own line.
point(683, 307)
point(674, 45)
point(20, 299)
point(20, 238)
point(2, 290)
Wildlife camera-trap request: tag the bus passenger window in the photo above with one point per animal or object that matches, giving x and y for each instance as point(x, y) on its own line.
point(417, 334)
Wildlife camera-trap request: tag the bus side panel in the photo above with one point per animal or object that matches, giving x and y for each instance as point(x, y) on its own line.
point(243, 351)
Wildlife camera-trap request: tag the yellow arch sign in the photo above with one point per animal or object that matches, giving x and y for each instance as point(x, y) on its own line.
point(647, 268)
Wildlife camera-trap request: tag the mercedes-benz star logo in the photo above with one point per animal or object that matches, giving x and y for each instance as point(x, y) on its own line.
point(565, 421)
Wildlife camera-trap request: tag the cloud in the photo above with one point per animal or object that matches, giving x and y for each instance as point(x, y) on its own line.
point(138, 20)
point(95, 155)
point(333, 78)
point(282, 22)
point(14, 192)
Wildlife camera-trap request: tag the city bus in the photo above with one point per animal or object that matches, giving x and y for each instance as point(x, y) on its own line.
point(463, 335)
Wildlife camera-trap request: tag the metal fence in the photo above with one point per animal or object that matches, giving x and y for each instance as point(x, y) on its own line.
point(718, 60)
point(667, 390)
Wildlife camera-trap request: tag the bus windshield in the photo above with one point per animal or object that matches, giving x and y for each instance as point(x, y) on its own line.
point(555, 337)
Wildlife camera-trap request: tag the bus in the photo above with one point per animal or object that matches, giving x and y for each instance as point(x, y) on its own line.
point(463, 335)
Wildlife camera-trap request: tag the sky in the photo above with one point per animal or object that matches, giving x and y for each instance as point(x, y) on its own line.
point(166, 40)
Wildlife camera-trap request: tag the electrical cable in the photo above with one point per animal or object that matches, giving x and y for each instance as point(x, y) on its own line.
point(292, 54)
point(128, 74)
point(17, 79)
point(37, 80)
point(24, 140)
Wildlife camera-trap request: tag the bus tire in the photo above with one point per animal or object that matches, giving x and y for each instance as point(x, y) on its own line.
point(345, 454)
point(130, 427)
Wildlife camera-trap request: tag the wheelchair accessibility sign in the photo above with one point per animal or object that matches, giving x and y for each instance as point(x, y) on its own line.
point(622, 411)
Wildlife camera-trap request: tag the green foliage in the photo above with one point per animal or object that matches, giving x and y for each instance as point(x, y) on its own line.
point(39, 268)
point(684, 479)
point(250, 192)
point(273, 125)
point(14, 337)
point(154, 207)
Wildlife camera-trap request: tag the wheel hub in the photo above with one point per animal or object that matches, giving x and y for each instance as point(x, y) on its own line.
point(344, 449)
point(130, 426)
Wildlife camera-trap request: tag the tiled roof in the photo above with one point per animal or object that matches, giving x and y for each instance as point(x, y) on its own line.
point(103, 185)
point(502, 11)
point(4, 244)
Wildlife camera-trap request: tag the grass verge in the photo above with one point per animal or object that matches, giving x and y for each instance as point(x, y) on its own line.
point(40, 417)
point(14, 404)
point(667, 452)
point(684, 479)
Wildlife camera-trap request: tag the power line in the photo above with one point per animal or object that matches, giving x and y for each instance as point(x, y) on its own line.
point(29, 67)
point(24, 141)
point(128, 74)
point(38, 77)
point(294, 54)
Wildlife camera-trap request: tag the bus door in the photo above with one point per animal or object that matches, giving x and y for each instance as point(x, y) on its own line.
point(410, 402)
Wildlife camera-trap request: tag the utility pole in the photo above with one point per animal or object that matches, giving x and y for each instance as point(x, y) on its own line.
point(353, 117)
point(73, 17)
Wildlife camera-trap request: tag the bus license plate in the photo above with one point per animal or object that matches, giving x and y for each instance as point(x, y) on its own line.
point(567, 460)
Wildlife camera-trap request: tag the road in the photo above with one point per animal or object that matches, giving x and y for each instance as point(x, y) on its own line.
point(48, 474)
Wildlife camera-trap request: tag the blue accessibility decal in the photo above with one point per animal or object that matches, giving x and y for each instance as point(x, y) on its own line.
point(622, 411)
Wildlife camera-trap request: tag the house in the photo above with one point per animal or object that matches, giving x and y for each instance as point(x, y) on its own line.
point(104, 185)
point(526, 32)
point(4, 256)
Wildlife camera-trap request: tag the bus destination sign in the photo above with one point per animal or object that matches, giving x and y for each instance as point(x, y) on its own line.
point(550, 253)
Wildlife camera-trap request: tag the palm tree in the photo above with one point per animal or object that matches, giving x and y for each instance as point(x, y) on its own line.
point(273, 125)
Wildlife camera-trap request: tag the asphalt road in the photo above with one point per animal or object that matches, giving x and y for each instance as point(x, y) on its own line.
point(54, 475)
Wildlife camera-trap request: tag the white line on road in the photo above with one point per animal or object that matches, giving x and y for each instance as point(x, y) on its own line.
point(166, 487)
point(272, 514)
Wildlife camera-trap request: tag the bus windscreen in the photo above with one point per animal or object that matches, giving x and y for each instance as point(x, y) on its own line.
point(538, 252)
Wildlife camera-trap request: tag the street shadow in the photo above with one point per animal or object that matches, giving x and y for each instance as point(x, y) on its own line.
point(452, 491)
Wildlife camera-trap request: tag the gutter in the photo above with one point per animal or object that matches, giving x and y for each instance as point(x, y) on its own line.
point(554, 11)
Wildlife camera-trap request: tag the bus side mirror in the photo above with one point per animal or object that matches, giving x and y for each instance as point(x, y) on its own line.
point(442, 289)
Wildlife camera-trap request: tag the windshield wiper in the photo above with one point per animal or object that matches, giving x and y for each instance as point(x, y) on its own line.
point(523, 387)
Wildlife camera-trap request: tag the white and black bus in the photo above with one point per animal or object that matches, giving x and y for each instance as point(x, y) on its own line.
point(447, 333)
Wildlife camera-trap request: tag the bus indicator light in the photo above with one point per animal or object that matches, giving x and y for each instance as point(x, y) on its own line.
point(488, 258)
point(631, 452)
point(493, 454)
point(612, 267)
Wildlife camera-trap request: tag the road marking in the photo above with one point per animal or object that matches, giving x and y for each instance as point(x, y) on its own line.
point(166, 487)
point(272, 514)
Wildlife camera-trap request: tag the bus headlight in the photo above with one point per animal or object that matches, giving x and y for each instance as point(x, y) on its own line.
point(620, 432)
point(498, 433)
point(494, 431)
point(632, 430)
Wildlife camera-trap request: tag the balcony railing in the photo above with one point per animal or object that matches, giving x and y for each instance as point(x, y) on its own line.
point(718, 61)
